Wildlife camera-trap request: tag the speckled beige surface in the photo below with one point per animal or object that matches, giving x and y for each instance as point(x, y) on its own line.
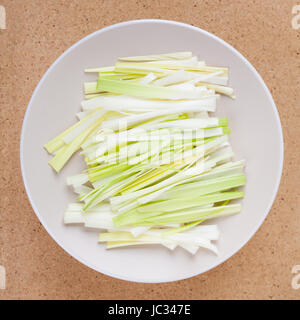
point(38, 31)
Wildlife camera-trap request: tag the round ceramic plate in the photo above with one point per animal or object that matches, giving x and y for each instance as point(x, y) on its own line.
point(256, 137)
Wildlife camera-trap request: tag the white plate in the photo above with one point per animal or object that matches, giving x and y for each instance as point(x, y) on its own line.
point(256, 136)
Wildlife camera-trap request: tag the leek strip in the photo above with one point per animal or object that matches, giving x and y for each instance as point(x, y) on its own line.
point(191, 215)
point(59, 160)
point(147, 79)
point(58, 142)
point(192, 61)
point(123, 102)
point(92, 96)
point(74, 133)
point(220, 89)
point(77, 180)
point(183, 228)
point(182, 203)
point(125, 237)
point(162, 66)
point(142, 70)
point(191, 123)
point(91, 88)
point(102, 69)
point(157, 57)
point(205, 187)
point(146, 91)
point(98, 195)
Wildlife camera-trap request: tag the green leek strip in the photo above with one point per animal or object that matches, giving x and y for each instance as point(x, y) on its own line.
point(180, 203)
point(135, 218)
point(154, 176)
point(166, 56)
point(142, 90)
point(126, 171)
point(58, 141)
point(192, 215)
point(215, 185)
point(120, 76)
point(106, 191)
point(62, 157)
point(179, 178)
point(205, 187)
point(139, 215)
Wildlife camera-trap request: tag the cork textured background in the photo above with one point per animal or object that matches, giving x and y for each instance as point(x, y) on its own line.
point(39, 31)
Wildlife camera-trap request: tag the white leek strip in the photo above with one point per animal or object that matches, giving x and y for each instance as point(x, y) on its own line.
point(220, 89)
point(77, 179)
point(124, 102)
point(182, 76)
point(147, 91)
point(74, 133)
point(189, 62)
point(212, 79)
point(117, 244)
point(191, 248)
point(187, 135)
point(190, 87)
point(141, 70)
point(208, 231)
point(73, 217)
point(196, 78)
point(82, 189)
point(102, 69)
point(91, 88)
point(130, 121)
point(148, 78)
point(100, 218)
point(190, 123)
point(158, 57)
point(197, 239)
point(206, 105)
point(176, 77)
point(105, 133)
point(201, 115)
point(136, 231)
point(82, 114)
point(161, 65)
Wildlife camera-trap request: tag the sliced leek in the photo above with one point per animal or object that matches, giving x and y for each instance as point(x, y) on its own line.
point(158, 164)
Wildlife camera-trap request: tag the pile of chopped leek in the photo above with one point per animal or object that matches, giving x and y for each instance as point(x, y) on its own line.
point(158, 164)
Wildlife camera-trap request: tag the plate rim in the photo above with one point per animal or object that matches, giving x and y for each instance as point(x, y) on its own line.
point(259, 78)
